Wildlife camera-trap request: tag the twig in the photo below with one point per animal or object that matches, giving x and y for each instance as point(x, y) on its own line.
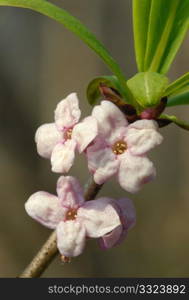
point(91, 190)
point(43, 258)
point(49, 250)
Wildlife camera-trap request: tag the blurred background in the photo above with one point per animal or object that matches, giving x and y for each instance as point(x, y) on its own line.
point(41, 63)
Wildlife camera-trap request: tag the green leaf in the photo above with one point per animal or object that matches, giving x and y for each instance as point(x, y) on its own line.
point(63, 17)
point(175, 120)
point(148, 88)
point(178, 86)
point(178, 33)
point(141, 10)
point(93, 91)
point(161, 20)
point(180, 99)
point(164, 24)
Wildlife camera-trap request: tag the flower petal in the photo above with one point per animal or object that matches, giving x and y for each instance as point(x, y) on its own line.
point(111, 239)
point(142, 136)
point(99, 217)
point(102, 162)
point(62, 157)
point(127, 216)
point(67, 112)
point(127, 212)
point(134, 172)
point(46, 209)
point(70, 192)
point(46, 137)
point(85, 132)
point(144, 124)
point(110, 120)
point(71, 238)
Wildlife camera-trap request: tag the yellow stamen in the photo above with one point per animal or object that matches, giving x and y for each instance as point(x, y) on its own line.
point(68, 134)
point(71, 214)
point(119, 147)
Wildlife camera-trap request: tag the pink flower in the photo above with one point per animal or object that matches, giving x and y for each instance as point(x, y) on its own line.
point(58, 141)
point(73, 218)
point(127, 215)
point(120, 149)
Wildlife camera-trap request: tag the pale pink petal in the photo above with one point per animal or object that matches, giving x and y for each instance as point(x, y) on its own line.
point(134, 172)
point(85, 132)
point(70, 238)
point(62, 157)
point(67, 112)
point(102, 162)
point(144, 124)
point(70, 192)
point(142, 136)
point(127, 216)
point(111, 239)
point(46, 137)
point(99, 217)
point(46, 209)
point(127, 212)
point(110, 120)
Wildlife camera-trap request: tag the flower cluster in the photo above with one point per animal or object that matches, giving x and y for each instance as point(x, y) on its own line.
point(113, 147)
point(75, 219)
point(59, 140)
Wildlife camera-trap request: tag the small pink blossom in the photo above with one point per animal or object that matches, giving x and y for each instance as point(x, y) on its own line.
point(120, 149)
point(58, 141)
point(72, 217)
point(127, 216)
